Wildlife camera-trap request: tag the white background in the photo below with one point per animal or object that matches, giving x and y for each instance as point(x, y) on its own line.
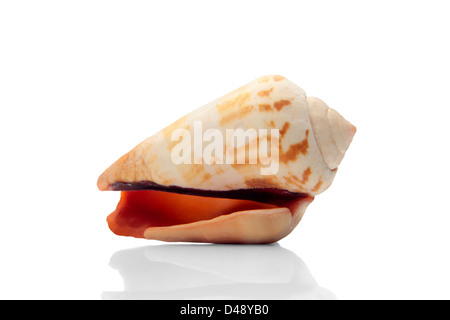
point(82, 82)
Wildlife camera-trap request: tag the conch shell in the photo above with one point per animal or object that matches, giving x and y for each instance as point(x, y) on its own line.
point(218, 201)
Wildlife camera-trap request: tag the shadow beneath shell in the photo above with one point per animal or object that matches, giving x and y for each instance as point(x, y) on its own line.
point(199, 271)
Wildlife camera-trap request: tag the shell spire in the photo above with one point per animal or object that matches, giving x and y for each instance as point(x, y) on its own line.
point(332, 132)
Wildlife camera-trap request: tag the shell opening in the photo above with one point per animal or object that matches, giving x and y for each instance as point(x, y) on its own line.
point(140, 212)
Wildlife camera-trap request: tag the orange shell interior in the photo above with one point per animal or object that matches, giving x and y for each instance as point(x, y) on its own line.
point(139, 210)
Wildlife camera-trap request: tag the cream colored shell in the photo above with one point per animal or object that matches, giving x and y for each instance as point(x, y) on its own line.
point(313, 140)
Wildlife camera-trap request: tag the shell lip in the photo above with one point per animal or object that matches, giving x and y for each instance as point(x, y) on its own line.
point(262, 195)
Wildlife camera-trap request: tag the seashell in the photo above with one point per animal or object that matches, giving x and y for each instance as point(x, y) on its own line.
point(251, 190)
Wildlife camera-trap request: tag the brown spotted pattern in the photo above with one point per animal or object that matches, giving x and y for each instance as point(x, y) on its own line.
point(295, 150)
point(268, 102)
point(265, 93)
point(281, 104)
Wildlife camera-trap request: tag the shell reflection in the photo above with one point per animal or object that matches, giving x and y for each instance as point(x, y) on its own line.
point(214, 272)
